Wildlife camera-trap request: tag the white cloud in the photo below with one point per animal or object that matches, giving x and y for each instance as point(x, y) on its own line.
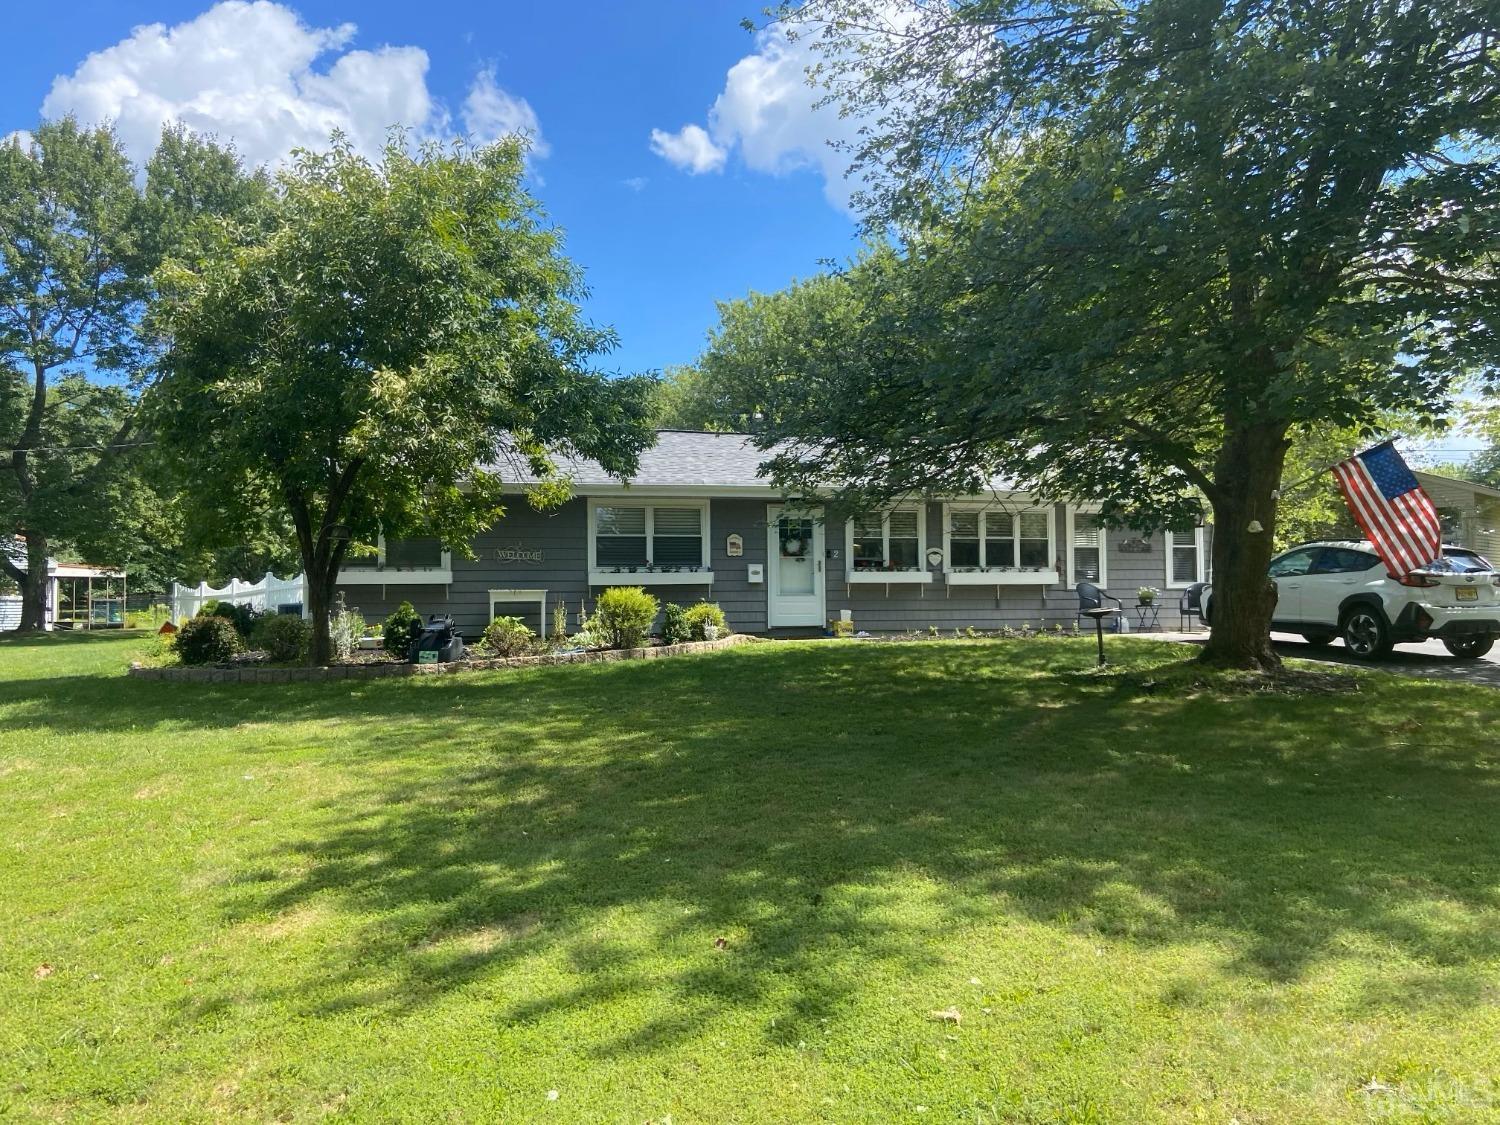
point(769, 111)
point(690, 148)
point(636, 183)
point(490, 113)
point(244, 71)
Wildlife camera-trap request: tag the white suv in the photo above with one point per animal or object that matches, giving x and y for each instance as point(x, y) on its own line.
point(1341, 589)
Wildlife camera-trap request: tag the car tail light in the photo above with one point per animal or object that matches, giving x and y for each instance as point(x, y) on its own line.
point(1415, 579)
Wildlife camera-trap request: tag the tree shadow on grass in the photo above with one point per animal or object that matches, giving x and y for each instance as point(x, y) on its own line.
point(828, 809)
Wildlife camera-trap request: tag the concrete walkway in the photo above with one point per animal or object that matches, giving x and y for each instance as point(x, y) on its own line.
point(1427, 659)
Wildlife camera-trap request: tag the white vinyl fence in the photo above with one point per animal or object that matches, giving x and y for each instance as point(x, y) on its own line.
point(267, 595)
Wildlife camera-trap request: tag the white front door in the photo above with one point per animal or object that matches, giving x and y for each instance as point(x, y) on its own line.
point(794, 557)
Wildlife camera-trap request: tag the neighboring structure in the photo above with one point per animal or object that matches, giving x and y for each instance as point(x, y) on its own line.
point(79, 596)
point(1470, 512)
point(699, 521)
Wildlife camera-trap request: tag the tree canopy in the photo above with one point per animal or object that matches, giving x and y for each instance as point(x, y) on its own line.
point(396, 336)
point(81, 235)
point(1143, 243)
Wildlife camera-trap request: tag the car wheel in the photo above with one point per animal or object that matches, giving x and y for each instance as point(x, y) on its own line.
point(1365, 633)
point(1469, 648)
point(1319, 640)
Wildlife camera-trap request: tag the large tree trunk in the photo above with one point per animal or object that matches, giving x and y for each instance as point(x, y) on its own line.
point(319, 603)
point(34, 586)
point(1246, 477)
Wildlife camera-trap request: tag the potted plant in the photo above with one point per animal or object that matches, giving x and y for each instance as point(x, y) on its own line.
point(1147, 594)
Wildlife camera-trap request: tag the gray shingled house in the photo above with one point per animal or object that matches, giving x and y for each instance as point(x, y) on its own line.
point(699, 521)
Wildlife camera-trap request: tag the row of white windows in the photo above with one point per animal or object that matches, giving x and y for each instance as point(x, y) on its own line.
point(674, 536)
point(974, 539)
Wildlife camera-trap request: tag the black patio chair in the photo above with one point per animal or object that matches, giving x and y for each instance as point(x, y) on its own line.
point(1091, 597)
point(1190, 606)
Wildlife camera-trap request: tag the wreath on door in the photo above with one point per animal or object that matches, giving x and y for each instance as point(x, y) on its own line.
point(793, 543)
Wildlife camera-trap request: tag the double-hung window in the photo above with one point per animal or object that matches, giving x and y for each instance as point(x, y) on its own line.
point(620, 536)
point(995, 540)
point(986, 545)
point(651, 542)
point(889, 543)
point(420, 560)
point(1187, 561)
point(1086, 545)
point(888, 540)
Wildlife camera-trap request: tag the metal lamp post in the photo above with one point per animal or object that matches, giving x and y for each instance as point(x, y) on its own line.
point(1099, 614)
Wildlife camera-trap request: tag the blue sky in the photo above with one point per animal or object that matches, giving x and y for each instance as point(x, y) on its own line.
point(730, 197)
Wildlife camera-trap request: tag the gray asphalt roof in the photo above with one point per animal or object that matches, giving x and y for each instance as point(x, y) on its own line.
point(680, 458)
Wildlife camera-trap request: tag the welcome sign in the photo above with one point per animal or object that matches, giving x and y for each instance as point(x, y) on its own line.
point(518, 554)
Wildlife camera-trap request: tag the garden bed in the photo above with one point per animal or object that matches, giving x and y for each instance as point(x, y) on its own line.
point(261, 674)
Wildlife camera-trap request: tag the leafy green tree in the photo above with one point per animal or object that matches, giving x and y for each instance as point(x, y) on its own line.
point(1145, 242)
point(763, 346)
point(397, 334)
point(80, 236)
point(71, 292)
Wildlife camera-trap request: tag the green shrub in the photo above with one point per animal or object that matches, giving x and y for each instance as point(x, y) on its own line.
point(207, 640)
point(344, 631)
point(509, 636)
point(703, 616)
point(242, 617)
point(623, 616)
point(283, 637)
point(674, 626)
point(560, 621)
point(401, 628)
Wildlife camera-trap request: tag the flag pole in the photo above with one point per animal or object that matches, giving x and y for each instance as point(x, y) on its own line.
point(1305, 481)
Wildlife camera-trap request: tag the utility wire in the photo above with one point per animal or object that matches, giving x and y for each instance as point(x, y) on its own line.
point(77, 448)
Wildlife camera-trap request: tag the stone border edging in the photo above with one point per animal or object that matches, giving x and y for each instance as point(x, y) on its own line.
point(255, 675)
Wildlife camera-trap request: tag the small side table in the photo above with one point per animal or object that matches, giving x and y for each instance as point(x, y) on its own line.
point(1147, 615)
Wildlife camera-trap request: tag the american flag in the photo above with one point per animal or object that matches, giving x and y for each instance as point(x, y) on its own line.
point(1392, 509)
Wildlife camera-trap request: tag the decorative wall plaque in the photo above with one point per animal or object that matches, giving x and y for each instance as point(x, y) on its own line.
point(1135, 546)
point(515, 553)
point(734, 545)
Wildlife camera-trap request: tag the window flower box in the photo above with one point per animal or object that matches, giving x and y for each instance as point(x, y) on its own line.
point(651, 576)
point(877, 576)
point(1002, 576)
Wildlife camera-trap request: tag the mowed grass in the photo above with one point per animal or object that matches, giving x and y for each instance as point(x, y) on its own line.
point(736, 887)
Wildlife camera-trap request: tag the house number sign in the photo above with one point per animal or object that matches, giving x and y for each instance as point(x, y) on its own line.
point(518, 554)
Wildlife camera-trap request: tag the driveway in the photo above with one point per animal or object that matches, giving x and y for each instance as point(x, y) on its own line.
point(1427, 659)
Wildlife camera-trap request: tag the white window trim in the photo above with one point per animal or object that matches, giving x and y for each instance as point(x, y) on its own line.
point(918, 574)
point(1073, 579)
point(380, 574)
point(1167, 545)
point(511, 597)
point(608, 576)
point(1000, 576)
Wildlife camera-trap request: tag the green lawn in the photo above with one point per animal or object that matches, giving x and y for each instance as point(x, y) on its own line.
point(442, 899)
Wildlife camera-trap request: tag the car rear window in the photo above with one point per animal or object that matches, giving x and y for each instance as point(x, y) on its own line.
point(1456, 561)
